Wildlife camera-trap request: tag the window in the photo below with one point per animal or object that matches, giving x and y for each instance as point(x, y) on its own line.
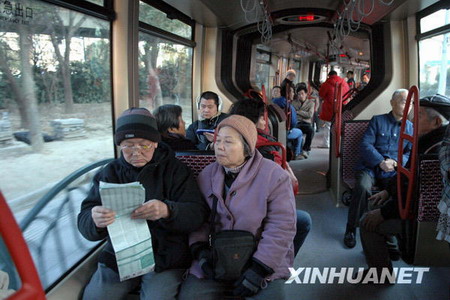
point(435, 20)
point(164, 21)
point(165, 61)
point(262, 68)
point(55, 110)
point(434, 52)
point(165, 74)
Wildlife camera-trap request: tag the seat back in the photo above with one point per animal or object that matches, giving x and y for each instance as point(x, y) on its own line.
point(277, 123)
point(196, 160)
point(424, 249)
point(430, 189)
point(352, 133)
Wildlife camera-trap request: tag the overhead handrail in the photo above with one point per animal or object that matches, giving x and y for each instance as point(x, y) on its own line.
point(31, 285)
point(404, 204)
point(347, 97)
point(57, 189)
point(338, 118)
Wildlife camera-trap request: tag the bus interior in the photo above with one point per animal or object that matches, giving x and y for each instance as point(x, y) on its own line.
point(69, 68)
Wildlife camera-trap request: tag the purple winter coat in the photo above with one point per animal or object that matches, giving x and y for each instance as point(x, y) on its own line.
point(260, 201)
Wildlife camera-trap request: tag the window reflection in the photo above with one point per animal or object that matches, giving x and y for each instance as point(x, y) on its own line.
point(165, 74)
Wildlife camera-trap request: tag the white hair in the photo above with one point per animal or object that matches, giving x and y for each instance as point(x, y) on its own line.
point(398, 92)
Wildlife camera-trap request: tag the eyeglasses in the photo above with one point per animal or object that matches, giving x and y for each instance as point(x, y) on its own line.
point(140, 148)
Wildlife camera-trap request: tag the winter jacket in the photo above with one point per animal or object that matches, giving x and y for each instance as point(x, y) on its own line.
point(326, 92)
point(177, 142)
point(199, 139)
point(380, 141)
point(281, 102)
point(285, 85)
point(164, 178)
point(251, 204)
point(304, 110)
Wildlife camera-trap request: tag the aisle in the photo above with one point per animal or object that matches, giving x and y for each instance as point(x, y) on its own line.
point(324, 248)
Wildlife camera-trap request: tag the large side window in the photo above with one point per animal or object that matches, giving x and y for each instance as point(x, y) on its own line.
point(55, 118)
point(434, 49)
point(262, 69)
point(165, 58)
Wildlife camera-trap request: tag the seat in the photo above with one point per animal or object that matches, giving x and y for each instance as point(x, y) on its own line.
point(422, 248)
point(352, 133)
point(197, 160)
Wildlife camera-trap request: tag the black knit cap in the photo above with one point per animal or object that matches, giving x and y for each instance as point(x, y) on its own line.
point(136, 123)
point(438, 102)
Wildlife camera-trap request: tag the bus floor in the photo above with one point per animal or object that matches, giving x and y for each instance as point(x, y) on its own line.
point(324, 248)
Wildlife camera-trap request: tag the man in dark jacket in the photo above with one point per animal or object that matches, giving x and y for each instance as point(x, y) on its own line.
point(209, 107)
point(434, 114)
point(173, 208)
point(378, 155)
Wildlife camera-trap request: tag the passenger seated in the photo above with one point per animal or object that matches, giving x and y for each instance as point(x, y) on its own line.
point(173, 208)
point(209, 106)
point(253, 109)
point(304, 109)
point(172, 127)
point(294, 134)
point(434, 113)
point(253, 194)
point(377, 163)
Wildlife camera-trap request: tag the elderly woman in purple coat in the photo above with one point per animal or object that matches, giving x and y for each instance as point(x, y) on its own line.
point(253, 194)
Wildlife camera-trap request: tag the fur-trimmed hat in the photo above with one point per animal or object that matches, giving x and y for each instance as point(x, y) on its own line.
point(438, 102)
point(244, 126)
point(136, 123)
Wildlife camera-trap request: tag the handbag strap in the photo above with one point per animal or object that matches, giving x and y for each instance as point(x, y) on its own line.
point(212, 227)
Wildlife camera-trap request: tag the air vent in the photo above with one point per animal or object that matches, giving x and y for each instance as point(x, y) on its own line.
point(301, 19)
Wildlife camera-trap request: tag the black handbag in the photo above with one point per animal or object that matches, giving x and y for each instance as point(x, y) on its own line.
point(231, 250)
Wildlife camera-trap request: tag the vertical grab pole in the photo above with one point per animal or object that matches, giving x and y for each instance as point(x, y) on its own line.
point(10, 231)
point(338, 118)
point(266, 114)
point(404, 205)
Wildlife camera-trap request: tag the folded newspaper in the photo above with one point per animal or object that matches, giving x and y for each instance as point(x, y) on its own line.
point(130, 238)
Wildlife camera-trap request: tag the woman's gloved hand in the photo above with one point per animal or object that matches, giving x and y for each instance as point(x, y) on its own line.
point(252, 280)
point(203, 253)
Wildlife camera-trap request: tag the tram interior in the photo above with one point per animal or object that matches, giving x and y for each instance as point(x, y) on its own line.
point(302, 36)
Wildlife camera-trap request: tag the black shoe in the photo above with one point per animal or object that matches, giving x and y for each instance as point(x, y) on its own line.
point(349, 239)
point(394, 254)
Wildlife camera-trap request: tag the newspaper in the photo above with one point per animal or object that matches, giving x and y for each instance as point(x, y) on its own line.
point(130, 238)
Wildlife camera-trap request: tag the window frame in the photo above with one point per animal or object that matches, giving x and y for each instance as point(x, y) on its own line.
point(172, 13)
point(426, 12)
point(105, 12)
point(431, 33)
